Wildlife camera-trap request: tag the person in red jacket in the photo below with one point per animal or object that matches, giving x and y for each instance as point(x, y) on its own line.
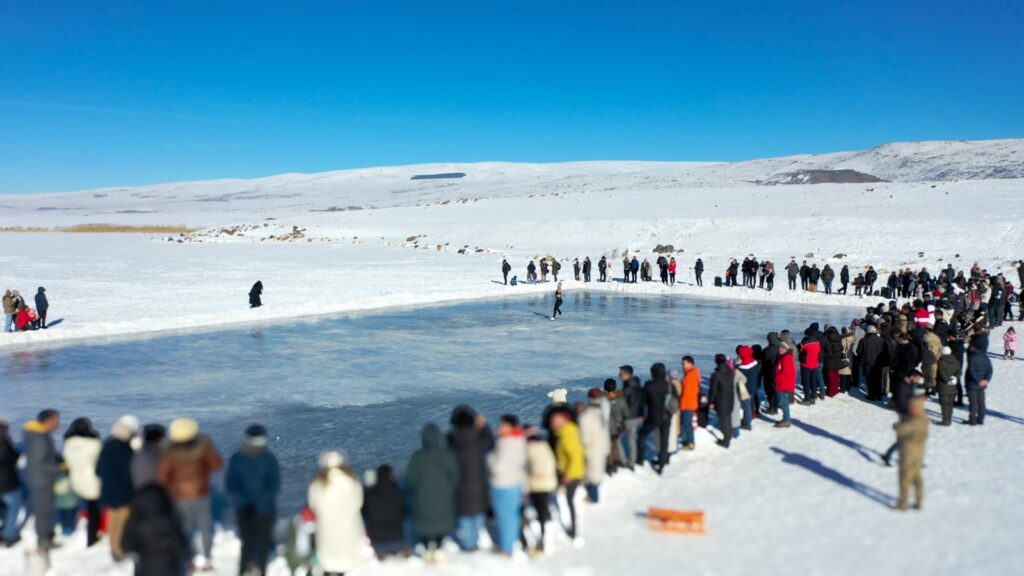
point(785, 382)
point(810, 369)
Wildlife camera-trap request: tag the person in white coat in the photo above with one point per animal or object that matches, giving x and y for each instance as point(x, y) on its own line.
point(541, 482)
point(507, 467)
point(336, 498)
point(82, 447)
point(596, 442)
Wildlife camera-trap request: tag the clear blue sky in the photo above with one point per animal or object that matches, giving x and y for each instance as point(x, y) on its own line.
point(104, 93)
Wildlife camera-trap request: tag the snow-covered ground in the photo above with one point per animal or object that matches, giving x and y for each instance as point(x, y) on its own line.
point(403, 247)
point(816, 507)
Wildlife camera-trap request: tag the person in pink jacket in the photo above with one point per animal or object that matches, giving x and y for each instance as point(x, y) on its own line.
point(1009, 343)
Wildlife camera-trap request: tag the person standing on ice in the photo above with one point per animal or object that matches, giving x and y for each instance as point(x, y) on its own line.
point(792, 271)
point(979, 374)
point(507, 468)
point(336, 497)
point(634, 269)
point(82, 446)
point(911, 436)
point(672, 271)
point(576, 269)
point(556, 267)
point(41, 471)
point(470, 440)
point(633, 393)
point(252, 481)
point(559, 295)
point(531, 272)
point(596, 442)
point(114, 469)
point(153, 534)
point(698, 270)
point(785, 382)
point(689, 401)
point(948, 383)
point(722, 398)
point(870, 277)
point(505, 269)
point(844, 279)
point(42, 305)
point(9, 310)
point(827, 276)
point(185, 470)
point(432, 479)
point(255, 294)
point(542, 471)
point(587, 269)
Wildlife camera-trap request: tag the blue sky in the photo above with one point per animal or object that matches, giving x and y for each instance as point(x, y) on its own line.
point(107, 93)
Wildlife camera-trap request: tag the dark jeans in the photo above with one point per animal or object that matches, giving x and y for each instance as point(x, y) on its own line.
point(699, 281)
point(843, 289)
point(42, 507)
point(254, 529)
point(686, 427)
point(92, 511)
point(570, 496)
point(874, 377)
point(977, 410)
point(558, 308)
point(641, 441)
point(792, 283)
point(828, 286)
point(505, 274)
point(947, 401)
point(812, 383)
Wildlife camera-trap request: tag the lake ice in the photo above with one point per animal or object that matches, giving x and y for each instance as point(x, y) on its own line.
point(367, 383)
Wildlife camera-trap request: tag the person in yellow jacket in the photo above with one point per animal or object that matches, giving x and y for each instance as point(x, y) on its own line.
point(570, 459)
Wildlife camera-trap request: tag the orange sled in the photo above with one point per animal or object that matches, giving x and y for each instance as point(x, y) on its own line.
point(668, 520)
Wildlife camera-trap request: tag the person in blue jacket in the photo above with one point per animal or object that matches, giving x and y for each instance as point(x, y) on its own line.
point(979, 374)
point(253, 481)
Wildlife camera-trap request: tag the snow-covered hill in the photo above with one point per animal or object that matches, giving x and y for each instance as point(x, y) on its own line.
point(219, 201)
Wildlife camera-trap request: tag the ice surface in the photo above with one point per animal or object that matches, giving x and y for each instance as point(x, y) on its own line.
point(367, 383)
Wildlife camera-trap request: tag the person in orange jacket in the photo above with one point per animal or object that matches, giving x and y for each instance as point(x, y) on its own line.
point(689, 401)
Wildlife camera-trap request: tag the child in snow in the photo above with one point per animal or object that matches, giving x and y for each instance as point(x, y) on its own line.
point(1009, 343)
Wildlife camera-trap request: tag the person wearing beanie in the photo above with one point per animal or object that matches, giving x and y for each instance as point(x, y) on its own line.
point(384, 513)
point(185, 469)
point(596, 442)
point(336, 498)
point(252, 482)
point(115, 471)
point(947, 382)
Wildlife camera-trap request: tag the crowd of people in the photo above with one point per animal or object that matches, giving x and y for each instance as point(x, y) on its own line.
point(514, 482)
point(19, 316)
point(993, 291)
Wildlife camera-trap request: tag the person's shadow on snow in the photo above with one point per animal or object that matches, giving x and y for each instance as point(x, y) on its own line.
point(865, 452)
point(815, 466)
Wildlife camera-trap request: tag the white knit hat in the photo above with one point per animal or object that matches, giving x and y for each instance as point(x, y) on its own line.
point(559, 396)
point(331, 459)
point(946, 350)
point(125, 428)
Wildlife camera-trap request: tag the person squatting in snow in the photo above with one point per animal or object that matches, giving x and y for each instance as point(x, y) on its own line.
point(20, 317)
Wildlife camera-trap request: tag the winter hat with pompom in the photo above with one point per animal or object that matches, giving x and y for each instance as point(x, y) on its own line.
point(331, 459)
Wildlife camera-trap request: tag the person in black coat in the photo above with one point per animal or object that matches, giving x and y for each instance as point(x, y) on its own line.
point(470, 439)
point(384, 514)
point(906, 358)
point(505, 269)
point(722, 397)
point(42, 305)
point(698, 270)
point(255, 293)
point(10, 485)
point(870, 352)
point(153, 534)
point(432, 478)
point(656, 390)
point(114, 469)
point(844, 279)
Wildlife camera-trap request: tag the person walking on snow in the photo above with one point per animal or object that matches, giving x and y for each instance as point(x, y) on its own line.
point(559, 295)
point(255, 293)
point(1009, 343)
point(505, 269)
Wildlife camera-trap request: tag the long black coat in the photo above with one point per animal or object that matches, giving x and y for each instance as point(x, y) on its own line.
point(114, 469)
point(384, 511)
point(432, 478)
point(655, 392)
point(153, 532)
point(832, 350)
point(470, 446)
point(870, 349)
point(722, 392)
point(906, 359)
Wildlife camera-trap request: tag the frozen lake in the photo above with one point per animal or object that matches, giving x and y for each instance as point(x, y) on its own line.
point(367, 383)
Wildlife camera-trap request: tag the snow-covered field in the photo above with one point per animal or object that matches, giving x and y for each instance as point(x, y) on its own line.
point(799, 501)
